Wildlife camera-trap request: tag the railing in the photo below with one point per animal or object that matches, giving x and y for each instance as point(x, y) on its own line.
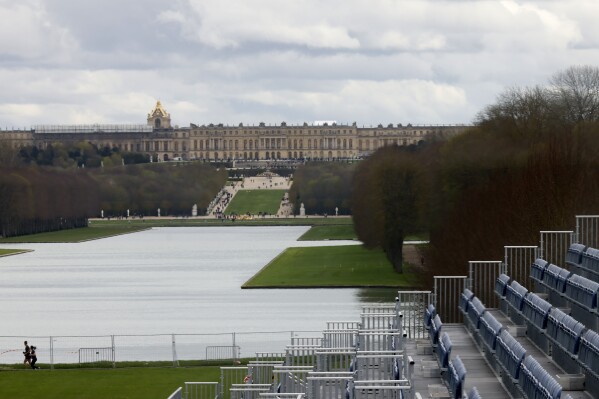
point(518, 259)
point(482, 275)
point(554, 246)
point(411, 304)
point(447, 291)
point(587, 230)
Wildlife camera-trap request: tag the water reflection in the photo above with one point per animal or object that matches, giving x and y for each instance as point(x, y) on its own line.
point(373, 295)
point(165, 280)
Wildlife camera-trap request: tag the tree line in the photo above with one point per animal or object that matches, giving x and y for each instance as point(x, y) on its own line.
point(529, 163)
point(39, 198)
point(81, 154)
point(322, 187)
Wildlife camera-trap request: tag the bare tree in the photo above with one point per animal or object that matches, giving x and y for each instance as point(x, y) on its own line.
point(576, 93)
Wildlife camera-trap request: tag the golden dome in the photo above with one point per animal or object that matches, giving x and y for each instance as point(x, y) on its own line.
point(158, 111)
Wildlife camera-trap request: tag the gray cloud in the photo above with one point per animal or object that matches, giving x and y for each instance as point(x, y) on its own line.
point(232, 61)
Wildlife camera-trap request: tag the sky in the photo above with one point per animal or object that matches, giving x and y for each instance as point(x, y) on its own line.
point(252, 61)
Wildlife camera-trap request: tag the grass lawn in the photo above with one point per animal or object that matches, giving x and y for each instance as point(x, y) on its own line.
point(76, 235)
point(332, 232)
point(135, 383)
point(255, 201)
point(4, 252)
point(343, 266)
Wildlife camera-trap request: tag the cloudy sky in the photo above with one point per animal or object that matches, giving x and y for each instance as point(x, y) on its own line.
point(231, 61)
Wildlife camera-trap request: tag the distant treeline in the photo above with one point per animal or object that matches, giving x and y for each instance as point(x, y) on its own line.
point(172, 187)
point(35, 199)
point(82, 154)
point(322, 187)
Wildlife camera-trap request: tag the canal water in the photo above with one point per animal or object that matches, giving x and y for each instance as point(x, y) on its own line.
point(162, 281)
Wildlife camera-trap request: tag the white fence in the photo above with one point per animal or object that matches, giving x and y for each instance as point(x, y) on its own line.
point(108, 350)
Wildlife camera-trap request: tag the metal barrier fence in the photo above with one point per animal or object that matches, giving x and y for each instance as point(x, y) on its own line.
point(518, 259)
point(108, 350)
point(201, 390)
point(554, 246)
point(482, 275)
point(587, 230)
point(412, 304)
point(447, 290)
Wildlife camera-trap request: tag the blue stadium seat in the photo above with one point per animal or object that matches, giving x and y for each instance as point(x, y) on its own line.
point(583, 291)
point(457, 375)
point(509, 353)
point(568, 334)
point(429, 313)
point(473, 394)
point(465, 299)
point(588, 354)
point(574, 254)
point(537, 269)
point(435, 330)
point(590, 259)
point(555, 277)
point(554, 319)
point(536, 382)
point(444, 350)
point(501, 284)
point(490, 328)
point(475, 311)
point(515, 295)
point(536, 310)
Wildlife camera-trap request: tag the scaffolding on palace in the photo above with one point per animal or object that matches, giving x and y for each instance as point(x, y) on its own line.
point(95, 128)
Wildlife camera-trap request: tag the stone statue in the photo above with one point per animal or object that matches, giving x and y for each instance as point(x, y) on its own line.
point(302, 210)
point(158, 212)
point(127, 212)
point(102, 213)
point(194, 210)
point(336, 211)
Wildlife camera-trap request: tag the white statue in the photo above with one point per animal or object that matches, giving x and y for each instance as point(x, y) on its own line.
point(158, 212)
point(302, 210)
point(336, 211)
point(102, 213)
point(194, 210)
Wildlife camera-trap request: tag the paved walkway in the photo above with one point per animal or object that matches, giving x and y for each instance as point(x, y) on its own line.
point(478, 373)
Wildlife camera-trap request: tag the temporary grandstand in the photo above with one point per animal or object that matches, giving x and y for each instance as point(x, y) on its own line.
point(523, 327)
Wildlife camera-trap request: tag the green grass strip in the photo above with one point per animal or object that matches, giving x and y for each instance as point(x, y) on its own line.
point(340, 266)
point(76, 235)
point(333, 232)
point(255, 201)
point(136, 383)
point(7, 252)
point(191, 222)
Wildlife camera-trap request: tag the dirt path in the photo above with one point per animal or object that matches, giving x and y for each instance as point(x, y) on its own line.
point(414, 256)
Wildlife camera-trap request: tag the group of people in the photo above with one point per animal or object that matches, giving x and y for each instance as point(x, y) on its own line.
point(30, 356)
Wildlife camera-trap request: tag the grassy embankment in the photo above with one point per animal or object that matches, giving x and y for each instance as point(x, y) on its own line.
point(7, 252)
point(255, 201)
point(342, 266)
point(76, 235)
point(330, 232)
point(133, 383)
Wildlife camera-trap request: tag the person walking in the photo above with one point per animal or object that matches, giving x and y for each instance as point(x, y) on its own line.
point(27, 354)
point(33, 358)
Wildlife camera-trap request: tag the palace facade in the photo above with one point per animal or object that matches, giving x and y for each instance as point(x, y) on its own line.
point(163, 142)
